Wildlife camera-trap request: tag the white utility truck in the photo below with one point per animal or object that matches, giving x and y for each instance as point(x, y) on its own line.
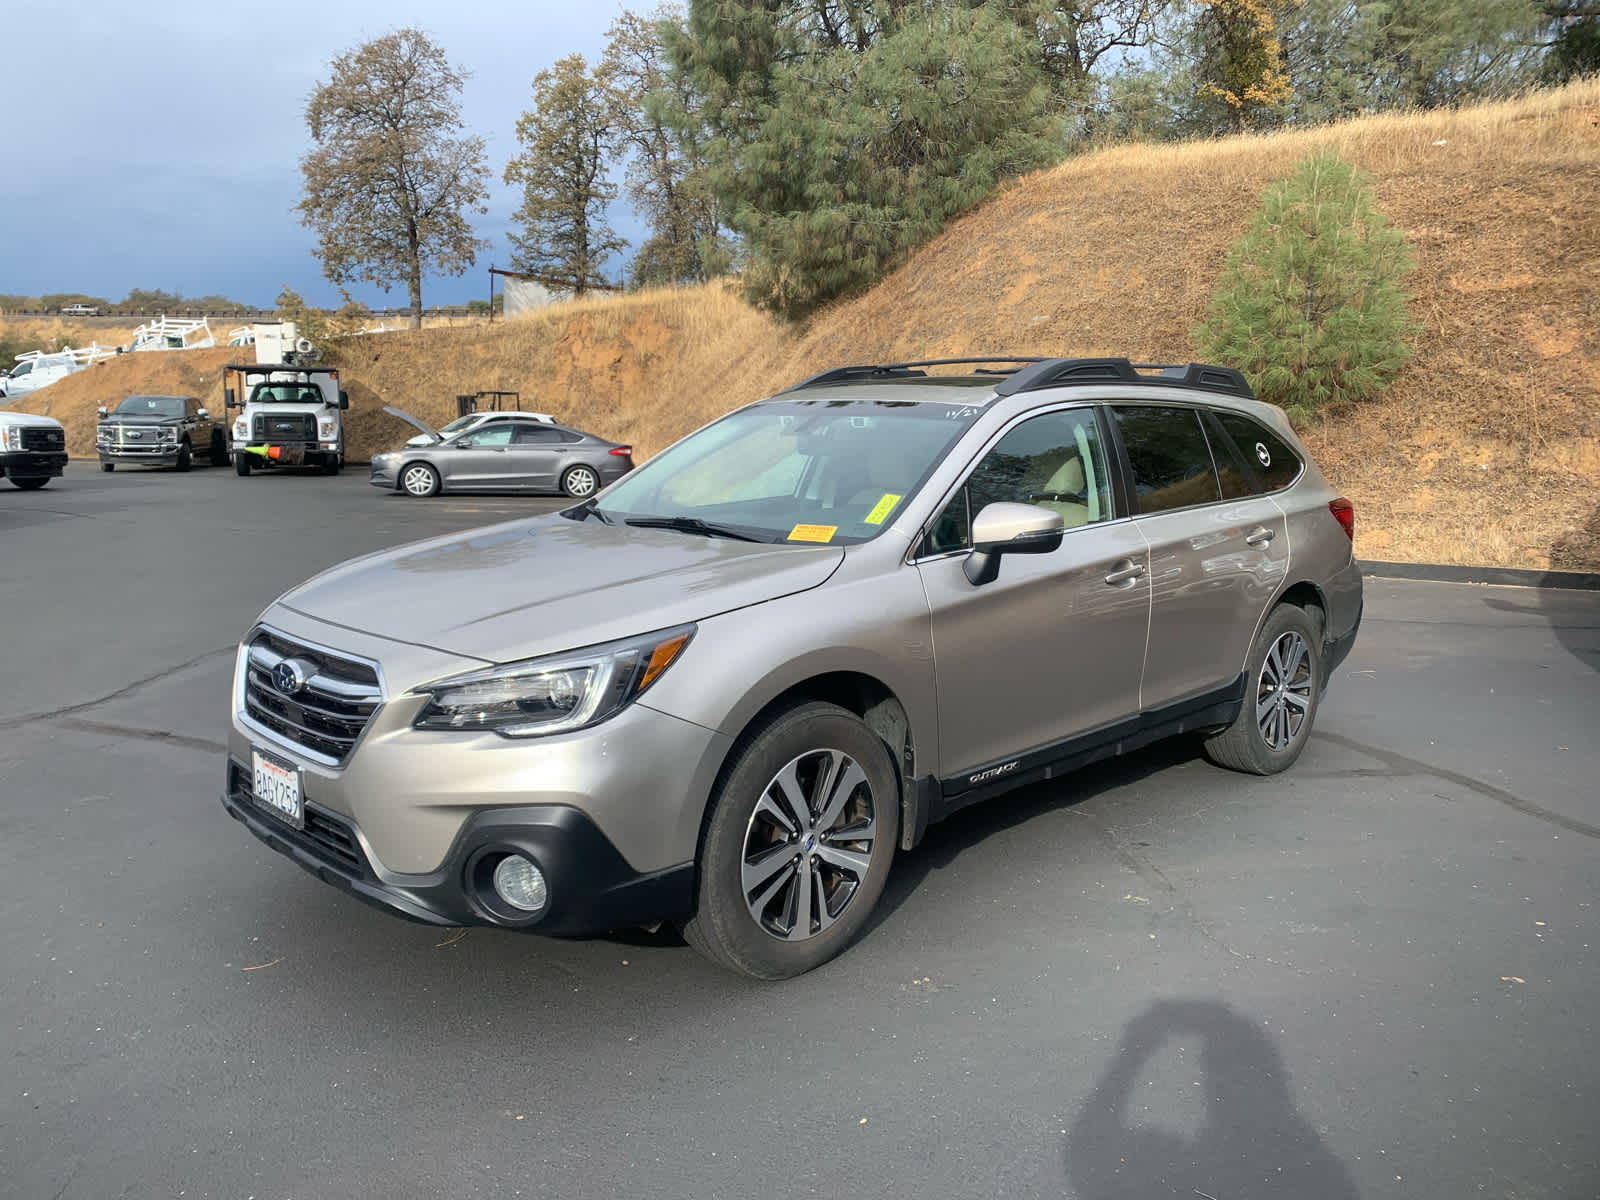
point(289, 416)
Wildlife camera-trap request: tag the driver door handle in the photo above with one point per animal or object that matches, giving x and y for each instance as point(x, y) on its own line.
point(1124, 572)
point(1259, 536)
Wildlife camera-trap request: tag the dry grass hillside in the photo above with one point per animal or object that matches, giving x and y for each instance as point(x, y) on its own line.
point(1485, 450)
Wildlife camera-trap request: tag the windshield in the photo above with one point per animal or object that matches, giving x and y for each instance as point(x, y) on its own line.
point(826, 471)
point(151, 406)
point(287, 393)
point(458, 424)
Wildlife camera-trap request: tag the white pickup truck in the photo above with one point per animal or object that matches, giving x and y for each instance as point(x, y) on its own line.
point(33, 449)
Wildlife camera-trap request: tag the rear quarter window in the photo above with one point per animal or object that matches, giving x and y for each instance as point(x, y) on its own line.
point(1266, 454)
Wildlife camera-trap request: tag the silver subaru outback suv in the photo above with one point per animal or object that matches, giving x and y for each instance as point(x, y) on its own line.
point(726, 690)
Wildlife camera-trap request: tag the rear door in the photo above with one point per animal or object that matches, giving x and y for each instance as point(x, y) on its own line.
point(537, 453)
point(1054, 647)
point(1218, 552)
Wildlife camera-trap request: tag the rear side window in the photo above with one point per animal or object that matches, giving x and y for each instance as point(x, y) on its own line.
point(1170, 457)
point(1266, 454)
point(536, 435)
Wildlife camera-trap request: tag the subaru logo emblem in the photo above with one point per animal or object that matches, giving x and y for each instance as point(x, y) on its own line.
point(287, 677)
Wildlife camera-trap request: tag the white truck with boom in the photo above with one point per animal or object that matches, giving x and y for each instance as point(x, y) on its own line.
point(289, 416)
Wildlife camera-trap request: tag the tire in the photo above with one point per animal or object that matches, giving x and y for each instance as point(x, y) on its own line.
point(1283, 683)
point(108, 467)
point(217, 455)
point(420, 480)
point(580, 481)
point(30, 483)
point(330, 466)
point(241, 464)
point(757, 844)
point(185, 458)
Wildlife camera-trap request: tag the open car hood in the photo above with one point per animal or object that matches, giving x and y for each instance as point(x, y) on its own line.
point(414, 422)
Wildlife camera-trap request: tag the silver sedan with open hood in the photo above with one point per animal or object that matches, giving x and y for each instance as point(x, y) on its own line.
point(507, 453)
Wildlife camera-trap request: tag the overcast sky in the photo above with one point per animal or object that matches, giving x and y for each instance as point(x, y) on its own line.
point(157, 145)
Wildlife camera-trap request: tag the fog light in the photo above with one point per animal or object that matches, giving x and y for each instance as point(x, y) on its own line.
point(520, 884)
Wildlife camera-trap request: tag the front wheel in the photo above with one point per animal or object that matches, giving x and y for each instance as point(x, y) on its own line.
point(331, 465)
point(419, 480)
point(241, 463)
point(108, 467)
point(1283, 684)
point(185, 457)
point(802, 831)
point(217, 455)
point(30, 483)
point(579, 481)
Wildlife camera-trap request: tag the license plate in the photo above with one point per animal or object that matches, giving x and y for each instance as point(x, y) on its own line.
point(277, 789)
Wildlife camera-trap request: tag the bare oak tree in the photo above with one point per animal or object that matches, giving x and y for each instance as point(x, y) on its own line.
point(393, 175)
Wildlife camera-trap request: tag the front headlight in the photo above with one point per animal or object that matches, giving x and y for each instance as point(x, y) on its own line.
point(167, 435)
point(241, 429)
point(556, 694)
point(10, 437)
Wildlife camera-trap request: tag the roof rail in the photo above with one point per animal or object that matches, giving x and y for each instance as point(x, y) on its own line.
point(1068, 372)
point(901, 370)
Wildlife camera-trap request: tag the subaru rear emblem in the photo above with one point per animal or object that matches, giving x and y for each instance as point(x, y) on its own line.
point(287, 677)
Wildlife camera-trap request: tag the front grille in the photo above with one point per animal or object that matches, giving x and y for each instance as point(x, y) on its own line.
point(138, 439)
point(284, 427)
point(327, 713)
point(36, 437)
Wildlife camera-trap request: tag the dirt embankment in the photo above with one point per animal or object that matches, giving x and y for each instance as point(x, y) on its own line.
point(1485, 450)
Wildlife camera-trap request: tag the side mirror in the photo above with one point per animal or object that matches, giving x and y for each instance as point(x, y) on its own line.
point(463, 442)
point(1003, 528)
point(344, 399)
point(101, 410)
point(227, 398)
point(203, 413)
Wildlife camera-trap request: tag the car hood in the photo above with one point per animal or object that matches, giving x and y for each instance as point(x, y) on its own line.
point(431, 435)
point(30, 419)
point(523, 589)
point(139, 419)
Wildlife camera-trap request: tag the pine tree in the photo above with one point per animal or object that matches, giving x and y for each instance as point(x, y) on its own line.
point(1311, 303)
point(568, 138)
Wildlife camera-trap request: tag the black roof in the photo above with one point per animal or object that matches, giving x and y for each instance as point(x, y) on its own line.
point(1031, 374)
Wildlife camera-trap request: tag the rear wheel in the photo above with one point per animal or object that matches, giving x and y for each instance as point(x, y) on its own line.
point(1283, 684)
point(217, 455)
point(797, 850)
point(241, 463)
point(579, 481)
point(419, 480)
point(29, 483)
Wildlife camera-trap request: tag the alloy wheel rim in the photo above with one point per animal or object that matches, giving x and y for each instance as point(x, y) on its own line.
point(1283, 691)
point(580, 481)
point(419, 481)
point(808, 845)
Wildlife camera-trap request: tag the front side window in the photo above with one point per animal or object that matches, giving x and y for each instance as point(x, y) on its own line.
point(1055, 460)
point(490, 435)
point(1170, 457)
point(823, 469)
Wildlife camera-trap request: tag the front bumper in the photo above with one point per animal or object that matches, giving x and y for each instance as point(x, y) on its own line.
point(30, 464)
point(164, 455)
point(385, 474)
point(592, 887)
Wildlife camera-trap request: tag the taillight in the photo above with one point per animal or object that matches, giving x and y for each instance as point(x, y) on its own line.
point(1345, 513)
point(621, 451)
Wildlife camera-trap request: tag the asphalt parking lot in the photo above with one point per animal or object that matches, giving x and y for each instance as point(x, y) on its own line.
point(1373, 976)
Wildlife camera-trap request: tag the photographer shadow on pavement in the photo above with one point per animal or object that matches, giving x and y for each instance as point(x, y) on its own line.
point(1252, 1142)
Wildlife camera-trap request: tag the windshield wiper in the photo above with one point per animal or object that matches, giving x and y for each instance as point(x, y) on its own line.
point(694, 525)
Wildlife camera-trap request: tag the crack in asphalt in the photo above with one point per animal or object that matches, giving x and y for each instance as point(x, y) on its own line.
point(72, 709)
point(201, 745)
point(1399, 763)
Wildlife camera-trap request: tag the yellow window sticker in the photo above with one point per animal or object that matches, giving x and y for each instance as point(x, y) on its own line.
point(882, 509)
point(813, 533)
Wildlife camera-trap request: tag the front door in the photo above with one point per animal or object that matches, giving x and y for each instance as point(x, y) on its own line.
point(480, 459)
point(1054, 647)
